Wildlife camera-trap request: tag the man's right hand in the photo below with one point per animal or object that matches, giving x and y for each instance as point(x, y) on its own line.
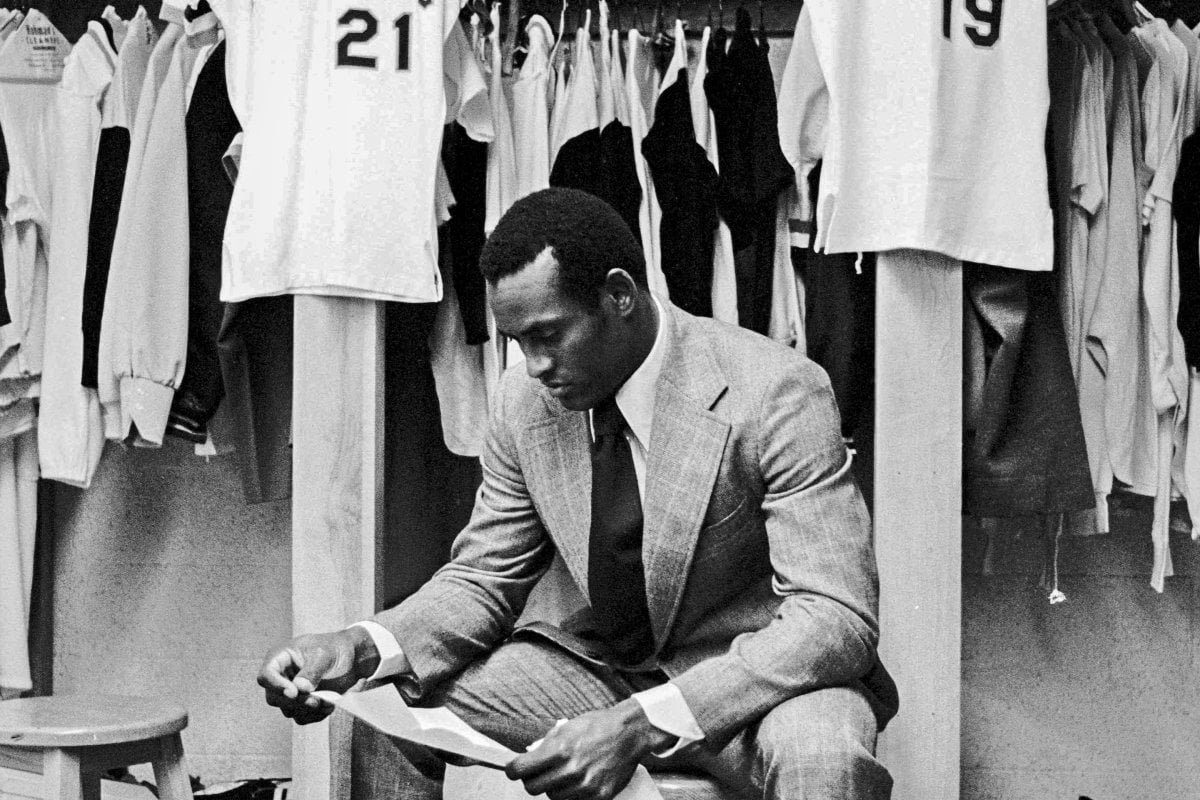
point(334, 661)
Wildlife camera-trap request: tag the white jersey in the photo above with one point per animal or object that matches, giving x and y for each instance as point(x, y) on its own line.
point(937, 128)
point(70, 434)
point(342, 102)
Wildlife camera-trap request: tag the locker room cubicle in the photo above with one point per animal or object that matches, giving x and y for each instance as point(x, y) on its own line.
point(377, 500)
point(342, 531)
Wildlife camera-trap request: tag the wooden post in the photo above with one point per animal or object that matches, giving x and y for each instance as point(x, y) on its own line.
point(337, 474)
point(918, 524)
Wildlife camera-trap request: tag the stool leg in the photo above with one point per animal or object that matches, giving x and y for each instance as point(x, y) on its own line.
point(91, 786)
point(170, 771)
point(61, 776)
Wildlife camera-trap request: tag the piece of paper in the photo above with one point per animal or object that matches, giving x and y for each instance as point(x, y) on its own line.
point(439, 728)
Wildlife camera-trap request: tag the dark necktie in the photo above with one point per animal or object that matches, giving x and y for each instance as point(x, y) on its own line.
point(616, 581)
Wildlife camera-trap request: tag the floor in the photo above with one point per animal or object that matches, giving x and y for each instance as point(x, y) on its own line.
point(1097, 696)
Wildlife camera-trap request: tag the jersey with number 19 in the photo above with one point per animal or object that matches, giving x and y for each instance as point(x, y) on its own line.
point(342, 102)
point(936, 134)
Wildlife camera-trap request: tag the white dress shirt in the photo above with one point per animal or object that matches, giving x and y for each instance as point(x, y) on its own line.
point(663, 705)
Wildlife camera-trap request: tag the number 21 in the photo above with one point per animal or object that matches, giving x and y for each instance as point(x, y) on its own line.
point(986, 30)
point(364, 34)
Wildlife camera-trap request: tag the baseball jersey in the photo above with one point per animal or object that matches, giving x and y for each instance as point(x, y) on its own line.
point(936, 128)
point(340, 101)
point(31, 62)
point(641, 89)
point(531, 110)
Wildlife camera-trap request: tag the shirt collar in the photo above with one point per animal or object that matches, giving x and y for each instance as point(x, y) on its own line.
point(636, 396)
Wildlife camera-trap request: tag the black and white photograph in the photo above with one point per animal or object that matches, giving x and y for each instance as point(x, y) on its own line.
point(599, 399)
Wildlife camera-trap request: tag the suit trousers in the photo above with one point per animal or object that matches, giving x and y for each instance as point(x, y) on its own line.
point(818, 745)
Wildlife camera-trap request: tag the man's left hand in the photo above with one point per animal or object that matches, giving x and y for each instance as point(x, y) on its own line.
point(591, 757)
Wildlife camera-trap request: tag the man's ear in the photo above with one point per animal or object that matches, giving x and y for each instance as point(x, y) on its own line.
point(621, 291)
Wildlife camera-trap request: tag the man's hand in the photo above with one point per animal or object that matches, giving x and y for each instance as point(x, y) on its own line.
point(591, 757)
point(333, 661)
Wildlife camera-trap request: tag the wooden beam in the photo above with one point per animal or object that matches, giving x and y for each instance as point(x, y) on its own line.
point(337, 475)
point(918, 524)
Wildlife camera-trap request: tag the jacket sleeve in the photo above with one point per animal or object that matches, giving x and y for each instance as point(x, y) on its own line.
point(473, 602)
point(825, 631)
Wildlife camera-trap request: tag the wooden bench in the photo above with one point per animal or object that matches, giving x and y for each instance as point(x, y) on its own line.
point(71, 739)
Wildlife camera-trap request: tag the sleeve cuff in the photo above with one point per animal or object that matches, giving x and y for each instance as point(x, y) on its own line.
point(146, 404)
point(666, 709)
point(392, 660)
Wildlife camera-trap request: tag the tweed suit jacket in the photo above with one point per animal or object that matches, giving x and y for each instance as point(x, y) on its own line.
point(759, 568)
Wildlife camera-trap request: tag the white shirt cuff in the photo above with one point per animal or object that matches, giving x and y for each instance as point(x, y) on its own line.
point(392, 660)
point(668, 711)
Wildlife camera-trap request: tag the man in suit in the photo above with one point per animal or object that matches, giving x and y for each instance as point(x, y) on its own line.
point(692, 477)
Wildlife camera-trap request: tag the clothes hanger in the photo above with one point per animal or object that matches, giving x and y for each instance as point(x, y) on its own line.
point(114, 26)
point(480, 11)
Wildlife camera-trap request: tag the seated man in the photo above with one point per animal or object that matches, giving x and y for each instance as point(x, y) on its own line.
point(694, 481)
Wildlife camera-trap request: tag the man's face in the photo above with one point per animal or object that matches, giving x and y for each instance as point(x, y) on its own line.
point(580, 354)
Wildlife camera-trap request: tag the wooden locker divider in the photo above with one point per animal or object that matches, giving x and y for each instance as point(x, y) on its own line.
point(918, 523)
point(337, 487)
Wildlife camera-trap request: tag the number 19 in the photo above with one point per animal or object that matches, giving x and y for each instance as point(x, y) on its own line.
point(986, 30)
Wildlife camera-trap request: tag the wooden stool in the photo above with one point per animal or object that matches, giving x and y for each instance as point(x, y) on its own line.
point(689, 786)
point(70, 740)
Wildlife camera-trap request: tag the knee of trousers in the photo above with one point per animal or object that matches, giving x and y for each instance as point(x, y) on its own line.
point(821, 744)
point(369, 765)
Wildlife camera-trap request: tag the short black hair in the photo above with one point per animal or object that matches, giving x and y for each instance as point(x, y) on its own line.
point(586, 235)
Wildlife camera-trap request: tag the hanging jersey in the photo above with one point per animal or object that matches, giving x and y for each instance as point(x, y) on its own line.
point(338, 100)
point(70, 436)
point(724, 286)
point(936, 129)
point(118, 113)
point(641, 88)
point(531, 110)
point(30, 66)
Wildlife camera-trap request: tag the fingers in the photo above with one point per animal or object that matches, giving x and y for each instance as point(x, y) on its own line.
point(543, 770)
point(534, 762)
point(304, 715)
point(303, 709)
point(314, 662)
point(562, 783)
point(275, 673)
point(290, 675)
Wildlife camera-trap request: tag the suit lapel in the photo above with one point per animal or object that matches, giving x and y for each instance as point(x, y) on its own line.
point(686, 445)
point(560, 469)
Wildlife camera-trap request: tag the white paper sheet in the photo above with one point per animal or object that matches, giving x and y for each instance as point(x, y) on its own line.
point(441, 729)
